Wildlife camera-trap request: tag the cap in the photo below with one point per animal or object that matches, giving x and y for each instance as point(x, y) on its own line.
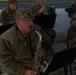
point(73, 4)
point(24, 14)
point(69, 10)
point(12, 1)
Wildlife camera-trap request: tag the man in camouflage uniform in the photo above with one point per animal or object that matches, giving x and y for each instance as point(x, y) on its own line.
point(71, 31)
point(39, 8)
point(0, 18)
point(19, 43)
point(71, 38)
point(72, 11)
point(8, 13)
point(71, 34)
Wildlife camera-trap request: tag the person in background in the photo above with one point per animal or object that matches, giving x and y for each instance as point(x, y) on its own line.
point(8, 13)
point(0, 18)
point(19, 44)
point(71, 31)
point(39, 8)
point(71, 39)
point(72, 11)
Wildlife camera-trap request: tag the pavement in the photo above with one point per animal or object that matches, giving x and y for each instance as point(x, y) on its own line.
point(61, 25)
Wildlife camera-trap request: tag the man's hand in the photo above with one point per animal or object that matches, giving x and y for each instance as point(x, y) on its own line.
point(42, 53)
point(29, 72)
point(43, 10)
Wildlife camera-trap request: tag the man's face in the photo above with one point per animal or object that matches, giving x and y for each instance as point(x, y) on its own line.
point(24, 26)
point(13, 6)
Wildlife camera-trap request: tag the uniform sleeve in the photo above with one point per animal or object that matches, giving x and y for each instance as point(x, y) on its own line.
point(46, 43)
point(0, 18)
point(49, 10)
point(34, 11)
point(71, 33)
point(4, 15)
point(7, 59)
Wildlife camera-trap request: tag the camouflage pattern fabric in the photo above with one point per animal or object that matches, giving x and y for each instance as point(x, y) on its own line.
point(34, 10)
point(7, 16)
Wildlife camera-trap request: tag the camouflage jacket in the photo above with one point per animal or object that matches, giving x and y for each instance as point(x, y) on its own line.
point(71, 33)
point(7, 16)
point(35, 9)
point(15, 52)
